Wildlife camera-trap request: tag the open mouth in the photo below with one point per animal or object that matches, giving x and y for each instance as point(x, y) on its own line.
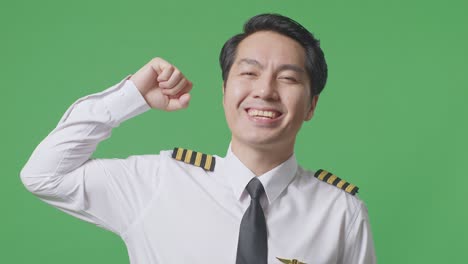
point(263, 114)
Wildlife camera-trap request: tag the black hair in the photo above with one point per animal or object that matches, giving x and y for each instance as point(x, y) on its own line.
point(315, 65)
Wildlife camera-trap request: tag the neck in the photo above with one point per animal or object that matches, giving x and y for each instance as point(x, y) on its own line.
point(261, 159)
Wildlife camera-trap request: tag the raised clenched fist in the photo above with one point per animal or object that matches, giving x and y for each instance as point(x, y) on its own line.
point(162, 85)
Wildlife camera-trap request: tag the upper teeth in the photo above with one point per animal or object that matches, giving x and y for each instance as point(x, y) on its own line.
point(254, 112)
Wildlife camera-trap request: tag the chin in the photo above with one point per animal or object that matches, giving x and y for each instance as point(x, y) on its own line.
point(261, 142)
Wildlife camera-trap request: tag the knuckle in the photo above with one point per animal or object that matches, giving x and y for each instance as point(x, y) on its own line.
point(171, 91)
point(167, 70)
point(182, 83)
point(156, 59)
point(160, 61)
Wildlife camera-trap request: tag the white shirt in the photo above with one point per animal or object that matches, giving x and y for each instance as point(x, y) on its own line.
point(168, 211)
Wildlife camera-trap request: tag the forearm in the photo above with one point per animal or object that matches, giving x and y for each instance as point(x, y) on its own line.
point(84, 125)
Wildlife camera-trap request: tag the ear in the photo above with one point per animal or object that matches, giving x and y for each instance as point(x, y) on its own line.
point(313, 104)
point(224, 88)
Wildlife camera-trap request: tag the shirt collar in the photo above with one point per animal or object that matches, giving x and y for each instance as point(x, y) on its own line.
point(274, 181)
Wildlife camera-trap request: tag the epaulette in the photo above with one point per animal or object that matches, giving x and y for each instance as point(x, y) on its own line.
point(332, 179)
point(205, 161)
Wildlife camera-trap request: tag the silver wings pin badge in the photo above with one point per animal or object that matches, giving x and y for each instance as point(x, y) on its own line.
point(290, 261)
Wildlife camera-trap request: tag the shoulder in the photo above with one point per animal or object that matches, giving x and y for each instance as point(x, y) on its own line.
point(323, 185)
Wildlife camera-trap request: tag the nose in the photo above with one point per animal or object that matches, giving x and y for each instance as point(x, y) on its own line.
point(266, 89)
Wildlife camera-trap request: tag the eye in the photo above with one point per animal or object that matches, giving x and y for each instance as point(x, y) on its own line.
point(248, 73)
point(289, 78)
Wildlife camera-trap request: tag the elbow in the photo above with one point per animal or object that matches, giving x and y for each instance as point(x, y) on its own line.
point(27, 179)
point(32, 182)
point(40, 183)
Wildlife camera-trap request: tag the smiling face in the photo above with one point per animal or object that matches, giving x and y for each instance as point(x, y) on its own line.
point(267, 93)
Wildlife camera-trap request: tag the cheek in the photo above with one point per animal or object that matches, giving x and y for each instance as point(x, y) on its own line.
point(234, 93)
point(297, 103)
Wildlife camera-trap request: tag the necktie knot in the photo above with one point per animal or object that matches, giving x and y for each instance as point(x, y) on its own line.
point(255, 188)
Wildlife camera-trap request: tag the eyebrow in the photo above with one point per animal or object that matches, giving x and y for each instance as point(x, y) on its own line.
point(283, 67)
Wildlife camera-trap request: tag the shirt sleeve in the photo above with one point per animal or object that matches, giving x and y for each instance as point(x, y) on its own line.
point(359, 246)
point(107, 192)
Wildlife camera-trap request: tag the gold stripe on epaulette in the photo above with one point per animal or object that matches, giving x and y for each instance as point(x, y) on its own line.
point(178, 154)
point(340, 184)
point(334, 180)
point(321, 175)
point(188, 156)
point(205, 161)
point(198, 159)
point(208, 163)
point(331, 179)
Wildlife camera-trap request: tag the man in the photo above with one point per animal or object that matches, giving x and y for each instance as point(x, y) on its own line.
point(256, 205)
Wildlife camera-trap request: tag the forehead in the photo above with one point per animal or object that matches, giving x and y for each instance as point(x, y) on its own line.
point(271, 48)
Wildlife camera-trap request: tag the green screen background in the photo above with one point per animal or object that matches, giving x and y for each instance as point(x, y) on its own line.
point(392, 118)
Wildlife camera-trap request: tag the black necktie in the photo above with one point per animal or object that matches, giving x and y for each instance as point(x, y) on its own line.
point(252, 246)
